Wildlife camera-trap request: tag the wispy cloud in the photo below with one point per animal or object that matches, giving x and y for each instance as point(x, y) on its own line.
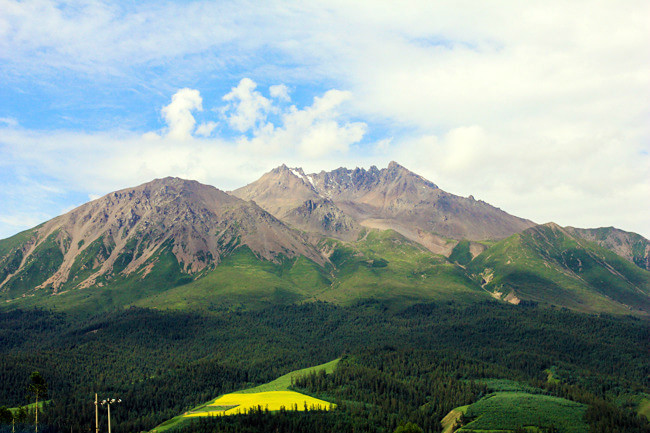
point(540, 108)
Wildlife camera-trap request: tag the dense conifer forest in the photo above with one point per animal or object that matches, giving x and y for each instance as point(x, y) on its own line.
point(407, 365)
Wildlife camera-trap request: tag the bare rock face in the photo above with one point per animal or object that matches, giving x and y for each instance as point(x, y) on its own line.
point(390, 198)
point(291, 196)
point(120, 232)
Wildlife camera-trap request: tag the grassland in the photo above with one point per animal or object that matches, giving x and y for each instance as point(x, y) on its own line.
point(505, 411)
point(383, 265)
point(271, 396)
point(242, 279)
point(450, 420)
point(386, 266)
point(109, 293)
point(544, 264)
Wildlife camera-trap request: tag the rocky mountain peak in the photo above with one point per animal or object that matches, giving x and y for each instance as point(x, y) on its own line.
point(392, 197)
point(126, 231)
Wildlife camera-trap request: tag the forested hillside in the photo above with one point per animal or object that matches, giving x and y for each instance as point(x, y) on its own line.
point(414, 364)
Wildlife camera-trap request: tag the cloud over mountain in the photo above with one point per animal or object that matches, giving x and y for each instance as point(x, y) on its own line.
point(545, 114)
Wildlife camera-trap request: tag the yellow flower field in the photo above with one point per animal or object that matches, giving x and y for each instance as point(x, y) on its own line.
point(271, 400)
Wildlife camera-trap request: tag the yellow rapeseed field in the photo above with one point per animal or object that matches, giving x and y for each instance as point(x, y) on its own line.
point(271, 400)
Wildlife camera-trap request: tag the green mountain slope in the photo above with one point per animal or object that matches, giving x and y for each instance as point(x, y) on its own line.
point(244, 281)
point(382, 265)
point(506, 411)
point(546, 264)
point(385, 265)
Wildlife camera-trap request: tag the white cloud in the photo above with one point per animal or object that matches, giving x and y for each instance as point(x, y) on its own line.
point(178, 114)
point(206, 129)
point(247, 107)
point(280, 92)
point(313, 132)
point(540, 108)
point(576, 180)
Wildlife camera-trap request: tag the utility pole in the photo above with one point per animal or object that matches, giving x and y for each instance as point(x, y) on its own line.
point(108, 403)
point(96, 416)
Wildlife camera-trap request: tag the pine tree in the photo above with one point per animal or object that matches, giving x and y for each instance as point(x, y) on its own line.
point(38, 388)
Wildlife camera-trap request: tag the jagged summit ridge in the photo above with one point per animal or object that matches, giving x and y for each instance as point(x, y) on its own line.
point(388, 198)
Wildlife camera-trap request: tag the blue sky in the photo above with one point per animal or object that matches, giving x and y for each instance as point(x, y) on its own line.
point(538, 108)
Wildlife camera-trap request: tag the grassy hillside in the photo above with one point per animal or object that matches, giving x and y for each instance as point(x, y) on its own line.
point(11, 253)
point(547, 265)
point(511, 405)
point(39, 265)
point(243, 281)
point(631, 246)
point(384, 265)
point(114, 291)
point(544, 264)
point(508, 410)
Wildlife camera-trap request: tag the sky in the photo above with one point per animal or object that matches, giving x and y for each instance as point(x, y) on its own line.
point(539, 108)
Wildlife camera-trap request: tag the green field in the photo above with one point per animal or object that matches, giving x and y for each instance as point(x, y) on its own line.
point(29, 407)
point(505, 411)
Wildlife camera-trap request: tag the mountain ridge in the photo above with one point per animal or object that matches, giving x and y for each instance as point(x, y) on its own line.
point(546, 263)
point(390, 198)
point(125, 228)
point(342, 236)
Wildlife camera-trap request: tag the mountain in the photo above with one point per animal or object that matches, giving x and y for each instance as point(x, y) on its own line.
point(165, 224)
point(550, 265)
point(391, 198)
point(344, 237)
point(291, 196)
point(630, 246)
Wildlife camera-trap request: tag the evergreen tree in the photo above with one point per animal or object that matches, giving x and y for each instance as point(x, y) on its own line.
point(38, 388)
